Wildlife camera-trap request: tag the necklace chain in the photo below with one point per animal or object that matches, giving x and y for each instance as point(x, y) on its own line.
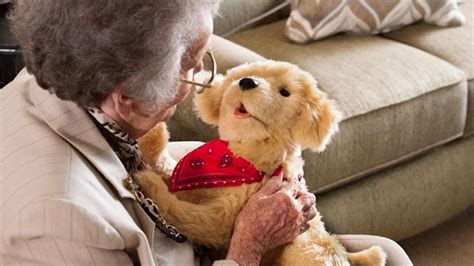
point(153, 211)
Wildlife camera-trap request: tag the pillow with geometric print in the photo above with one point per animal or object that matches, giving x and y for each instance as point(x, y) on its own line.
point(316, 19)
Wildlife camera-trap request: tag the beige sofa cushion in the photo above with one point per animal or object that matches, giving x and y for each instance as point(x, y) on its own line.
point(314, 20)
point(404, 200)
point(469, 129)
point(229, 54)
point(233, 14)
point(388, 136)
point(397, 101)
point(455, 45)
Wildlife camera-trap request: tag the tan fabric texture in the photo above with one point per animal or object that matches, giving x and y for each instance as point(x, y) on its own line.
point(469, 129)
point(229, 54)
point(234, 13)
point(427, 249)
point(386, 137)
point(314, 20)
point(455, 45)
point(407, 199)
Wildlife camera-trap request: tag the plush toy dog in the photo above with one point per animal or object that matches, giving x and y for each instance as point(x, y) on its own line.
point(266, 114)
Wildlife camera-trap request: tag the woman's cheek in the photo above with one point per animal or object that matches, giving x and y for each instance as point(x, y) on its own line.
point(168, 113)
point(182, 92)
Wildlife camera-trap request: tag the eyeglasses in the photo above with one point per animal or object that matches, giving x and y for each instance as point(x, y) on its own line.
point(204, 77)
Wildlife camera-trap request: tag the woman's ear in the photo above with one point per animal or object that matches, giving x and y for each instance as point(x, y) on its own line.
point(207, 103)
point(117, 105)
point(317, 123)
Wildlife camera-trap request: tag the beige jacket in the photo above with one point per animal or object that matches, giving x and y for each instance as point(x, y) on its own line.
point(62, 196)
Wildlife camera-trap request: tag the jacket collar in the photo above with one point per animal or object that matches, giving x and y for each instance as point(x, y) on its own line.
point(72, 123)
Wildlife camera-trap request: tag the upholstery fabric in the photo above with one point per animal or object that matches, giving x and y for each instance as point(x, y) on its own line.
point(232, 13)
point(455, 45)
point(314, 20)
point(229, 54)
point(469, 129)
point(407, 199)
point(386, 137)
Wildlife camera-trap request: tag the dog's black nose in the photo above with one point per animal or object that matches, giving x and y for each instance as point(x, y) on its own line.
point(247, 84)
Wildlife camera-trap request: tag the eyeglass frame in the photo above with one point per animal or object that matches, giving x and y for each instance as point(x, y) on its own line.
point(213, 72)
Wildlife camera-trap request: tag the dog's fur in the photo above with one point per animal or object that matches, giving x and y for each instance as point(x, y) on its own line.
point(274, 134)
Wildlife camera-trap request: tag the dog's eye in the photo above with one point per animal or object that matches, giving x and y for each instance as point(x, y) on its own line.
point(284, 92)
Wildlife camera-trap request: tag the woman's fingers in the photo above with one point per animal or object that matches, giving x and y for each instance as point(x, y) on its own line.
point(293, 186)
point(275, 215)
point(307, 199)
point(309, 214)
point(302, 180)
point(273, 185)
point(304, 228)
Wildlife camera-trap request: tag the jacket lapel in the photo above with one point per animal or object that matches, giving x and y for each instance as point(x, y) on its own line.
point(73, 124)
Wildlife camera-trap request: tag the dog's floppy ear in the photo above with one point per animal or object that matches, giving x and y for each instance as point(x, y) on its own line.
point(208, 103)
point(317, 122)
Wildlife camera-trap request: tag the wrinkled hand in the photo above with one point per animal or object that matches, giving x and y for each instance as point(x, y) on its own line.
point(275, 215)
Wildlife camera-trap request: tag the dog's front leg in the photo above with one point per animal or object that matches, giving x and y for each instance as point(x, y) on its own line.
point(208, 223)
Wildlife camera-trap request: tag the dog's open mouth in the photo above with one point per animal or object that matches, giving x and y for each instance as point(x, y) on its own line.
point(241, 112)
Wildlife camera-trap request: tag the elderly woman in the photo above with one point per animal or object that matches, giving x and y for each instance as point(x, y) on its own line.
point(99, 75)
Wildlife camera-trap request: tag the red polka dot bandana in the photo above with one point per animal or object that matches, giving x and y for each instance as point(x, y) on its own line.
point(213, 165)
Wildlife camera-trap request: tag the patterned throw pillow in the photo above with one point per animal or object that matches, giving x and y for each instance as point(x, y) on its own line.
point(316, 19)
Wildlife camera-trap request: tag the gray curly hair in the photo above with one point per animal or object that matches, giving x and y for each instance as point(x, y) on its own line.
point(84, 49)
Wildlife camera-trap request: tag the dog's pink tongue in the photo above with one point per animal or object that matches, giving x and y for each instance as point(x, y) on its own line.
point(241, 112)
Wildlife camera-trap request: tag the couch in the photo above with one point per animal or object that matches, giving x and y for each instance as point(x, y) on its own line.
point(403, 160)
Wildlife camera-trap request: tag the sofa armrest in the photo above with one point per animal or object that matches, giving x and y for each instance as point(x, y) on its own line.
point(229, 54)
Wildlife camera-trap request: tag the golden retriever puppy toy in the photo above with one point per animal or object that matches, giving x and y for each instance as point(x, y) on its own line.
point(266, 114)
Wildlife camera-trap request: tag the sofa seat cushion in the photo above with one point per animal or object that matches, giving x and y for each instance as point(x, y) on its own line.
point(455, 45)
point(397, 101)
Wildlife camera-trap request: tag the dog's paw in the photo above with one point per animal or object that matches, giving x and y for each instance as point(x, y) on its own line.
point(150, 181)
